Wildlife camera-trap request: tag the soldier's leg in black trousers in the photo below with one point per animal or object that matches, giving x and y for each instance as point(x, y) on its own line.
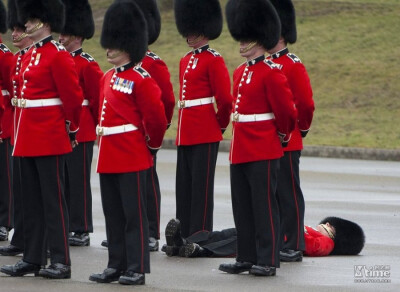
point(291, 202)
point(262, 176)
point(18, 237)
point(243, 214)
point(203, 164)
point(153, 198)
point(6, 196)
point(183, 188)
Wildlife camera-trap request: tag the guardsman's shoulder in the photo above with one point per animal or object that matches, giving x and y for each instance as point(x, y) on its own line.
point(87, 57)
point(272, 65)
point(294, 58)
point(4, 48)
point(142, 72)
point(153, 56)
point(240, 65)
point(58, 46)
point(213, 52)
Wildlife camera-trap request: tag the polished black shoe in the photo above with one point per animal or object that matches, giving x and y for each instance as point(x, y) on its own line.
point(153, 244)
point(10, 250)
point(3, 233)
point(104, 243)
point(109, 275)
point(190, 250)
point(20, 269)
point(236, 268)
point(263, 271)
point(173, 233)
point(290, 255)
point(132, 278)
point(56, 271)
point(79, 239)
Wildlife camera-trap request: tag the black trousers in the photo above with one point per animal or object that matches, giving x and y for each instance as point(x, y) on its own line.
point(78, 191)
point(291, 202)
point(6, 195)
point(216, 243)
point(45, 209)
point(256, 212)
point(124, 207)
point(195, 172)
point(18, 237)
point(153, 198)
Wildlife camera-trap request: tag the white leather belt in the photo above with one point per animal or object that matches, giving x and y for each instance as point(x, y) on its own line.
point(4, 92)
point(252, 118)
point(105, 131)
point(27, 103)
point(85, 102)
point(195, 102)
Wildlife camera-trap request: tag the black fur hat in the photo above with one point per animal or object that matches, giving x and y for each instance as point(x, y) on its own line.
point(12, 17)
point(3, 18)
point(51, 12)
point(125, 29)
point(152, 16)
point(253, 20)
point(198, 17)
point(78, 19)
point(287, 15)
point(349, 237)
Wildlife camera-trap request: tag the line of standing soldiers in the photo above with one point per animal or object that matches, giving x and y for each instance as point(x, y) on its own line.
point(52, 90)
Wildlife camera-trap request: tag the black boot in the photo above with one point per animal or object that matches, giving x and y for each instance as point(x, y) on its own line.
point(236, 268)
point(56, 271)
point(109, 275)
point(20, 269)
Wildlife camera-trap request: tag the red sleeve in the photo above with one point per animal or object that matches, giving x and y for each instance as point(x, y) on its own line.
point(317, 245)
point(1, 109)
point(303, 95)
point(221, 87)
point(159, 72)
point(148, 99)
point(92, 75)
point(67, 83)
point(281, 101)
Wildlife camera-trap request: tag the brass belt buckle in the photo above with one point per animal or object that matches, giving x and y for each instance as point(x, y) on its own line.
point(100, 131)
point(235, 117)
point(181, 104)
point(23, 102)
point(14, 101)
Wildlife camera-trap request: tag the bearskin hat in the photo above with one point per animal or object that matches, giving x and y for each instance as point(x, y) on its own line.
point(152, 16)
point(51, 12)
point(253, 20)
point(78, 19)
point(12, 17)
point(349, 237)
point(287, 15)
point(3, 18)
point(125, 29)
point(198, 17)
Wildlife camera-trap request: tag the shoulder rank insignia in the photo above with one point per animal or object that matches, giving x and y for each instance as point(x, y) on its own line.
point(214, 52)
point(87, 57)
point(4, 48)
point(141, 71)
point(59, 46)
point(272, 65)
point(123, 85)
point(294, 58)
point(153, 56)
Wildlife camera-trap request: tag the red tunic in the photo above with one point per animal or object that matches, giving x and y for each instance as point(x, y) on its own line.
point(6, 62)
point(50, 74)
point(141, 107)
point(89, 74)
point(203, 73)
point(260, 87)
point(158, 70)
point(302, 93)
point(317, 244)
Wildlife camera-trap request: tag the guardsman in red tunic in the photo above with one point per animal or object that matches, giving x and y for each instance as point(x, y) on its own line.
point(290, 196)
point(6, 201)
point(79, 26)
point(204, 79)
point(263, 117)
point(23, 43)
point(158, 70)
point(50, 105)
point(131, 127)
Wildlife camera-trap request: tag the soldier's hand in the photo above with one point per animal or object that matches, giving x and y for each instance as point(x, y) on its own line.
point(74, 143)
